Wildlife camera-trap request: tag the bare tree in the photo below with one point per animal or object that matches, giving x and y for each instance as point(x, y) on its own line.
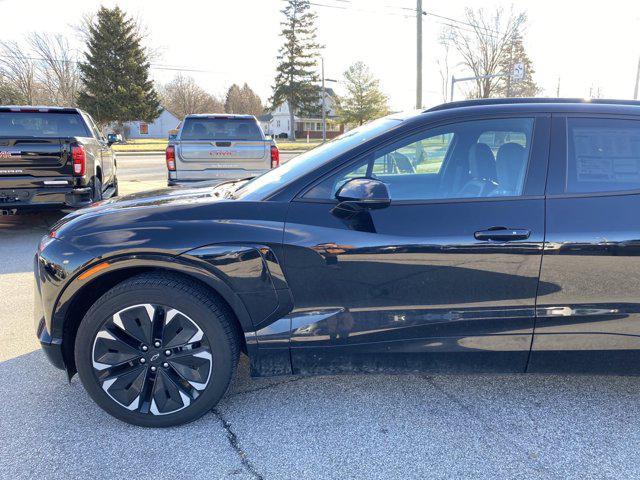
point(183, 96)
point(18, 72)
point(444, 66)
point(57, 68)
point(242, 100)
point(485, 44)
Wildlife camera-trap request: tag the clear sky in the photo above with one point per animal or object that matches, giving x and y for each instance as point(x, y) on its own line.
point(586, 43)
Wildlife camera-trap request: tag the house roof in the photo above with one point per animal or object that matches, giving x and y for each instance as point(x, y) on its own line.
point(265, 118)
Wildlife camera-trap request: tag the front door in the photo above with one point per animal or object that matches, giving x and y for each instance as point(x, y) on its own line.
point(445, 277)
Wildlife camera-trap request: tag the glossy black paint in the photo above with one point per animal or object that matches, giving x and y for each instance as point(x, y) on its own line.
point(421, 286)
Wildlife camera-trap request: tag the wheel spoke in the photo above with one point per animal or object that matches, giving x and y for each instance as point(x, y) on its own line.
point(136, 321)
point(158, 324)
point(109, 350)
point(115, 371)
point(179, 330)
point(147, 391)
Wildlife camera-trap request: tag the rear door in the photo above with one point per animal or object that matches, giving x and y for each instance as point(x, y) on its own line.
point(443, 278)
point(222, 143)
point(589, 297)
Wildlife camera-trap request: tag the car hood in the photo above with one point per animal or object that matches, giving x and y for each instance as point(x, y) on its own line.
point(144, 210)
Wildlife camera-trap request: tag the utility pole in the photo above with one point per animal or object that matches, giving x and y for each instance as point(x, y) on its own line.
point(419, 52)
point(558, 88)
point(635, 90)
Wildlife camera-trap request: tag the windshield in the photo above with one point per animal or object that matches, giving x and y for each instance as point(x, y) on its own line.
point(42, 124)
point(220, 128)
point(262, 186)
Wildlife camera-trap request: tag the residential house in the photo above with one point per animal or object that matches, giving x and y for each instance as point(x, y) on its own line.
point(159, 128)
point(277, 121)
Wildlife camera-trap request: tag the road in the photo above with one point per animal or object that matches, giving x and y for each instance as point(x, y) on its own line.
point(149, 171)
point(373, 426)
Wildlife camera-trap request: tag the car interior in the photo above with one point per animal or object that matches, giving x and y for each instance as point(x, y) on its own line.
point(468, 160)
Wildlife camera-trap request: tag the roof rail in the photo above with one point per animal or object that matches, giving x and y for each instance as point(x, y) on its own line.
point(511, 101)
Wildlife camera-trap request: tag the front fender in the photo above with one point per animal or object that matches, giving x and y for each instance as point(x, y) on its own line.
point(238, 273)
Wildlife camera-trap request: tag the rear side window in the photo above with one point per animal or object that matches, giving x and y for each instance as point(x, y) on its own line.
point(603, 155)
point(212, 128)
point(42, 124)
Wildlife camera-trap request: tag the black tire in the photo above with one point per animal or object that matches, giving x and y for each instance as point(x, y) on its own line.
point(97, 189)
point(115, 187)
point(218, 338)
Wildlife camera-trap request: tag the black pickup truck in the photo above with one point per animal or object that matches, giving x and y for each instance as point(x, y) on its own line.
point(52, 157)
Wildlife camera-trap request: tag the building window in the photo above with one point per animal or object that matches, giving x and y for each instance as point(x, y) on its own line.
point(319, 127)
point(278, 123)
point(144, 128)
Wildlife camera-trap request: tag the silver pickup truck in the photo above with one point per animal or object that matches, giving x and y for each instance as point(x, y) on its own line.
point(219, 146)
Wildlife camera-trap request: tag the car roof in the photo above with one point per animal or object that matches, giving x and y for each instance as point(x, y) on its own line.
point(219, 115)
point(38, 108)
point(550, 105)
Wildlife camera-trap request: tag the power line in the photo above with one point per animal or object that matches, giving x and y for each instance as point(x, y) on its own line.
point(153, 66)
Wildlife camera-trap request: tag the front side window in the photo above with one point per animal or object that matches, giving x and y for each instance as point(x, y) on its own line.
point(480, 158)
point(603, 155)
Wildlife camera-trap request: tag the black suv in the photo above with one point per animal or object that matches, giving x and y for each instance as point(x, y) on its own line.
point(480, 236)
point(53, 157)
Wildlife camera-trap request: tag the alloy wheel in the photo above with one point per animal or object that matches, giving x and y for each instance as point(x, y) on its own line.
point(152, 359)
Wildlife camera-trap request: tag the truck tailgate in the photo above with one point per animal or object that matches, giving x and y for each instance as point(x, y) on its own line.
point(29, 156)
point(218, 151)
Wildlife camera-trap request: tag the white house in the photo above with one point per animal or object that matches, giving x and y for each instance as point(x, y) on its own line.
point(277, 121)
point(159, 128)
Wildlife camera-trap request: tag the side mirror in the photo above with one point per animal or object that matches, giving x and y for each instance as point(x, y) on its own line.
point(114, 138)
point(364, 193)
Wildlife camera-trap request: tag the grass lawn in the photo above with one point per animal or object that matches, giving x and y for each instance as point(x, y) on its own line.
point(159, 144)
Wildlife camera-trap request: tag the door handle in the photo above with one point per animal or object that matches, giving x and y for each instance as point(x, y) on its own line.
point(503, 234)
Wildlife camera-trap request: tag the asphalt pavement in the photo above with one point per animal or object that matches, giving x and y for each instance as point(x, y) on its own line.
point(371, 426)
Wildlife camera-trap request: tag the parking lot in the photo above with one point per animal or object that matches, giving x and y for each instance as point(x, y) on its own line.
point(375, 426)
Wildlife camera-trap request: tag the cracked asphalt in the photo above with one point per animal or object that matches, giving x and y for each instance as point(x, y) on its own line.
point(372, 426)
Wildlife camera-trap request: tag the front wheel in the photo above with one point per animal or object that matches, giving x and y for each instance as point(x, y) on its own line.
point(156, 350)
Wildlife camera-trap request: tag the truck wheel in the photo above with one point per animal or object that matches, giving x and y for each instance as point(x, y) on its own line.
point(97, 189)
point(157, 350)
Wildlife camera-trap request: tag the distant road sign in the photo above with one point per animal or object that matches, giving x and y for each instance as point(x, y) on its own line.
point(518, 71)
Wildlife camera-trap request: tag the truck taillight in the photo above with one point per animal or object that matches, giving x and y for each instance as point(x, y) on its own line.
point(79, 158)
point(170, 155)
point(275, 156)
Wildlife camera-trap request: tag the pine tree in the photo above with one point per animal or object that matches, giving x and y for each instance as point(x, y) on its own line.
point(242, 100)
point(115, 74)
point(527, 87)
point(364, 101)
point(296, 79)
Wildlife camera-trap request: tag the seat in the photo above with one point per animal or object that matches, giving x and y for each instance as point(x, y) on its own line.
point(510, 167)
point(198, 131)
point(244, 130)
point(482, 170)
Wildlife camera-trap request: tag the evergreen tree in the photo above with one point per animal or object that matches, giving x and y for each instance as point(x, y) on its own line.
point(242, 100)
point(296, 79)
point(115, 74)
point(364, 100)
point(527, 87)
